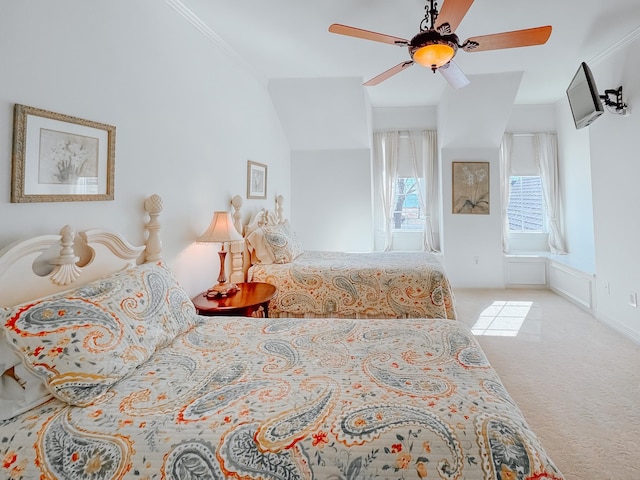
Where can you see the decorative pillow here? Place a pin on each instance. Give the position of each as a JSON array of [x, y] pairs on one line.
[[260, 251], [83, 341], [283, 242]]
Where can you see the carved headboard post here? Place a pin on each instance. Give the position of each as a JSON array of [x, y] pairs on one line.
[[237, 249], [153, 251], [236, 203], [279, 208]]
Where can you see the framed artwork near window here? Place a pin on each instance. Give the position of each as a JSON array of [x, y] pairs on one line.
[[59, 158], [256, 180], [470, 188]]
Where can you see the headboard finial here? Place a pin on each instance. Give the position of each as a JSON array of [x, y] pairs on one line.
[[153, 204], [236, 201], [153, 251], [65, 270]]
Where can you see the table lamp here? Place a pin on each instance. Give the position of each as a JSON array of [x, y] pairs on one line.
[[221, 230]]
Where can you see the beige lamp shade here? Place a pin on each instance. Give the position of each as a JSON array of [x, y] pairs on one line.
[[220, 230]]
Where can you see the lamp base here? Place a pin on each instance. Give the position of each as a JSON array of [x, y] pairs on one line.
[[221, 290]]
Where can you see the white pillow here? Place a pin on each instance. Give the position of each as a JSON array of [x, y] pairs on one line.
[[21, 390], [260, 251]]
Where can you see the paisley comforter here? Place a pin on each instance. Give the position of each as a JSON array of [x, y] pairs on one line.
[[290, 399], [358, 285]]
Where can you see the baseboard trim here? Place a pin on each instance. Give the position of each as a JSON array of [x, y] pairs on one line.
[[574, 285], [619, 327], [526, 271]]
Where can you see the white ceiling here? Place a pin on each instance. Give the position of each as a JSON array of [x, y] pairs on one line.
[[289, 39]]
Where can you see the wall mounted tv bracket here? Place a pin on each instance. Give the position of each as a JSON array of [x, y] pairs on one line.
[[613, 100]]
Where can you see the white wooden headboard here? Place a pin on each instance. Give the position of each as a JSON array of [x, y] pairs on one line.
[[240, 258], [48, 264]]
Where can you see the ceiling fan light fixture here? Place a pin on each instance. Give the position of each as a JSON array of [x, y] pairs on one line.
[[434, 55], [431, 49]]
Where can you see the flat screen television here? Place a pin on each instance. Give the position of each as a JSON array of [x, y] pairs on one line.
[[583, 96]]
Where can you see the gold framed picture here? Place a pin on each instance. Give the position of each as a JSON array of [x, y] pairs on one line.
[[60, 158], [470, 188]]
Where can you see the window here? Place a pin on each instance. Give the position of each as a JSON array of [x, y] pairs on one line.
[[408, 214], [526, 205]]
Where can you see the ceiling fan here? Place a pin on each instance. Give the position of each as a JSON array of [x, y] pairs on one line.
[[436, 44]]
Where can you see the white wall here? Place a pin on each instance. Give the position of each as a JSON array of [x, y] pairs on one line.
[[331, 199], [575, 181], [327, 122], [471, 123], [532, 118], [477, 115], [405, 118], [187, 118], [615, 170], [322, 113], [472, 244]]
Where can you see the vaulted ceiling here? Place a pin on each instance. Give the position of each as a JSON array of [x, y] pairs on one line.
[[279, 39]]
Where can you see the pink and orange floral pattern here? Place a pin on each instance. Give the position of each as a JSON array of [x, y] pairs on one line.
[[358, 285], [288, 399]]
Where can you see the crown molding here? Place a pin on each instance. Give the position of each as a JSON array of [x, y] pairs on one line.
[[619, 45], [205, 30]]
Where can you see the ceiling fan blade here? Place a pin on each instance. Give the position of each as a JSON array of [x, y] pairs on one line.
[[389, 73], [452, 74], [367, 35], [452, 12], [517, 38]]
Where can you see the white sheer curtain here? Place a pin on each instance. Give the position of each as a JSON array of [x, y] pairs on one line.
[[425, 166], [506, 149], [385, 163], [546, 147]]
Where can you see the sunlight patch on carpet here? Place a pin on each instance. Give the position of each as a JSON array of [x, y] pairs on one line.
[[502, 318]]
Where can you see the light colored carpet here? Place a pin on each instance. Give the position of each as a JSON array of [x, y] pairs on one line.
[[576, 380]]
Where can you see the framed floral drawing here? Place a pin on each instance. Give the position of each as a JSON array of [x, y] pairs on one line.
[[471, 187], [256, 180], [59, 158]]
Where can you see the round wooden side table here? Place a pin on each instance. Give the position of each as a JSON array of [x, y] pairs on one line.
[[251, 300]]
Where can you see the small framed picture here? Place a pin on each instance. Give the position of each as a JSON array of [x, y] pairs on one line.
[[256, 180], [470, 187], [59, 158]]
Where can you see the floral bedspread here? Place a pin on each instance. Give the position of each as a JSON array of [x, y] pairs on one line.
[[358, 285], [290, 399]]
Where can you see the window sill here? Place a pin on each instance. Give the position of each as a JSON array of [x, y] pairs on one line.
[[527, 243]]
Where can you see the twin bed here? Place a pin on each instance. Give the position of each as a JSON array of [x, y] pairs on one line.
[[340, 284], [109, 373]]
